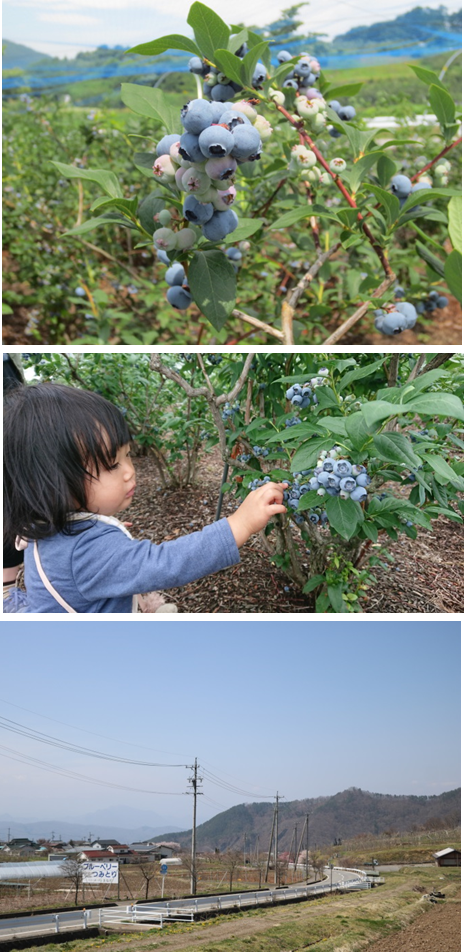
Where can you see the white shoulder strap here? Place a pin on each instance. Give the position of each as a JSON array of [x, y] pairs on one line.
[[48, 584]]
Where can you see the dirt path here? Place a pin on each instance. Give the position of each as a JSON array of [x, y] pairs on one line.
[[438, 931]]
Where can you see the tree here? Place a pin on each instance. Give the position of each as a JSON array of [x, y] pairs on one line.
[[72, 870], [148, 871], [231, 859]]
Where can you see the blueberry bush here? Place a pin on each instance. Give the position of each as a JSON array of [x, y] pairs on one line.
[[371, 446], [268, 174]]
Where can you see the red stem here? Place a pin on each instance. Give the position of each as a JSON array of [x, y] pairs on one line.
[[320, 158], [437, 157]]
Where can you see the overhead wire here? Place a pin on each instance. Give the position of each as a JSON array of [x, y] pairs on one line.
[[16, 728]]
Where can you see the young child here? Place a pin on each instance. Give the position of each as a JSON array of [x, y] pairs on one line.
[[67, 471]]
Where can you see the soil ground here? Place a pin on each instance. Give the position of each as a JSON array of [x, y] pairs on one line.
[[425, 577]]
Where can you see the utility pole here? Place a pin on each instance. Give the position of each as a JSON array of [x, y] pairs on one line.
[[194, 781], [275, 826], [244, 848]]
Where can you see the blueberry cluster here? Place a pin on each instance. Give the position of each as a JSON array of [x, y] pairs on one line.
[[216, 85], [214, 359], [395, 318], [337, 476], [260, 451], [301, 395], [441, 173], [433, 301], [402, 187], [178, 293], [292, 421], [259, 482], [345, 113], [228, 411], [244, 457], [303, 75]]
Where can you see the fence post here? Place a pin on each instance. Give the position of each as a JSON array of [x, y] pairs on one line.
[[57, 924], [85, 918]]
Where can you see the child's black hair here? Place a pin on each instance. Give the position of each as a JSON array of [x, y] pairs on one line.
[[55, 439]]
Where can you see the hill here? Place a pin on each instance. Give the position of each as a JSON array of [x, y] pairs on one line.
[[342, 816], [422, 25], [17, 56]]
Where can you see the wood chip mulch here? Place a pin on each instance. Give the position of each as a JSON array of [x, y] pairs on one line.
[[427, 575]]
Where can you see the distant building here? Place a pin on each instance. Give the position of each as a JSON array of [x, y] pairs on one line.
[[150, 852], [104, 844], [448, 857]]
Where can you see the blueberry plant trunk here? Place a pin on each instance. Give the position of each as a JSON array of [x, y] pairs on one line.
[[344, 437]]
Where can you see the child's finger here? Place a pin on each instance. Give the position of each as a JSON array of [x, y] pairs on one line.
[[275, 508]]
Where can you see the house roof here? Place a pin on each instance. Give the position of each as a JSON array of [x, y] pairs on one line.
[[446, 852], [97, 854]]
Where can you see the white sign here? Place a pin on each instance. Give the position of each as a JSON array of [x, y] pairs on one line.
[[100, 873]]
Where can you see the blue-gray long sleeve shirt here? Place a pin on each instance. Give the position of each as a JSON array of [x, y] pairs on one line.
[[100, 569]]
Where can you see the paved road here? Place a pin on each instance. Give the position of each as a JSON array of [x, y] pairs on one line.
[[49, 923]]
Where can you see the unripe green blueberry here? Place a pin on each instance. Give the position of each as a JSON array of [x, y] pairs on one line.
[[277, 96], [338, 165], [441, 169], [164, 217], [319, 121], [165, 239], [163, 168], [193, 182], [246, 108], [325, 179], [264, 127], [302, 157], [310, 175], [186, 238]]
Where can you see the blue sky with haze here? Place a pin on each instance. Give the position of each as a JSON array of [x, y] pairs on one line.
[[65, 27], [307, 708]]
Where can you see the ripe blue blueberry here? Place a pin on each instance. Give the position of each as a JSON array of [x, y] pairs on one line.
[[196, 116], [162, 256], [342, 467], [347, 484], [409, 312], [391, 324], [189, 148], [165, 144], [284, 56], [347, 112], [196, 211], [175, 274], [79, 292], [401, 186], [220, 224], [246, 142], [179, 298], [215, 141], [363, 480], [442, 301], [259, 75], [220, 93], [359, 494]]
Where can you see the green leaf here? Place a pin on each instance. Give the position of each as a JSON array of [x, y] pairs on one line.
[[335, 597], [359, 372], [453, 273], [154, 103], [377, 410], [344, 515], [455, 223], [148, 208], [175, 41], [229, 64], [442, 104], [442, 468], [390, 203], [303, 431], [427, 195], [126, 205], [93, 223], [236, 40], [245, 228], [370, 531], [426, 75], [308, 454], [434, 263], [212, 283], [211, 33], [386, 169], [249, 61], [106, 180], [309, 500], [297, 214], [437, 404], [313, 583], [357, 430], [281, 73], [395, 448], [359, 169], [333, 424], [348, 89]]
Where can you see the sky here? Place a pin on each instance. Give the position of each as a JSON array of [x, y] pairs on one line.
[[305, 708], [66, 27]]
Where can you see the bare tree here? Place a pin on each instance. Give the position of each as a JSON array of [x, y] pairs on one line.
[[148, 871], [232, 859], [317, 865], [72, 870]]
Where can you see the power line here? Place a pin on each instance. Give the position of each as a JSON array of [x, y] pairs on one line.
[[82, 730], [16, 728], [71, 774]]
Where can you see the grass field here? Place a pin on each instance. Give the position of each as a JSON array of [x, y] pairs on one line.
[[338, 923]]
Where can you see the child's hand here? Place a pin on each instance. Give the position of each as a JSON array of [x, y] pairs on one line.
[[256, 510]]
